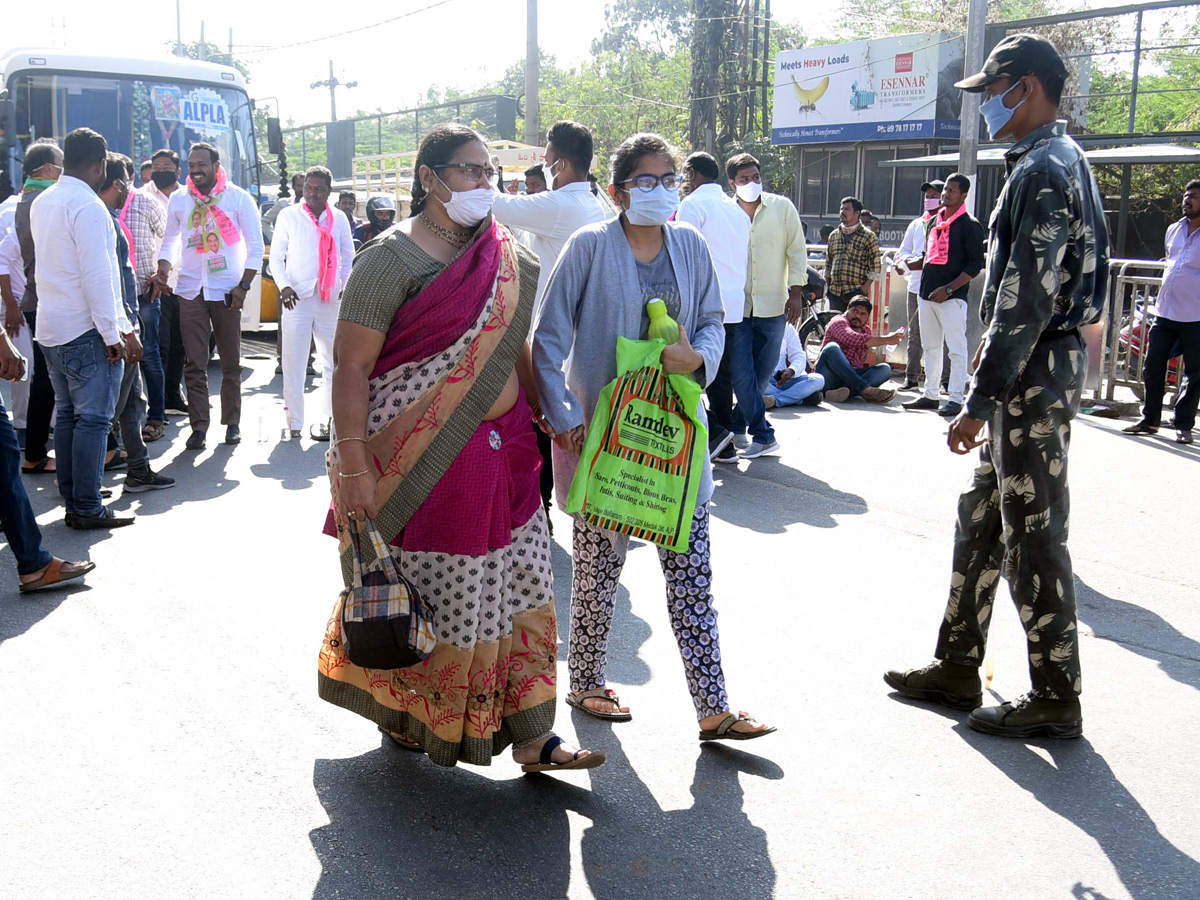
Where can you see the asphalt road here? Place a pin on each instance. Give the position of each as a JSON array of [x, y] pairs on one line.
[[161, 737]]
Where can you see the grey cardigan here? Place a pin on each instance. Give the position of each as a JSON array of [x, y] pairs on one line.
[[593, 297]]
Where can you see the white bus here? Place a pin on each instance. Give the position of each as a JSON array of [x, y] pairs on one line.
[[139, 105]]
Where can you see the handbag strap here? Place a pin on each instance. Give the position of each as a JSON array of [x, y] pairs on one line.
[[386, 562]]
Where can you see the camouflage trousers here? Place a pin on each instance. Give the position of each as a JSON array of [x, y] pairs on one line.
[[1013, 519]]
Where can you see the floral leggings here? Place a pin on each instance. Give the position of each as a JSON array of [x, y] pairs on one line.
[[599, 557]]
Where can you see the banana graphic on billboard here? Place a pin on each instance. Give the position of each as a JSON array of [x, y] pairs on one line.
[[808, 97]]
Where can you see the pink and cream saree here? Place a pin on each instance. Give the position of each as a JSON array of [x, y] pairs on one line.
[[459, 503]]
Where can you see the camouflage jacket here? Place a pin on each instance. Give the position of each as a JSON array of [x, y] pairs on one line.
[[1047, 259]]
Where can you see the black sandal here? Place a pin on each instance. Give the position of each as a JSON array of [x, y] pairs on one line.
[[545, 761], [39, 467], [1142, 427]]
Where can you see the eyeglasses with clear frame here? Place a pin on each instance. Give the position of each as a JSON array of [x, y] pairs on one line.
[[473, 172], [671, 181]]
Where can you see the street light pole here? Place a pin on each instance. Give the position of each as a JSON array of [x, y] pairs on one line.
[[532, 75], [333, 84], [968, 129]]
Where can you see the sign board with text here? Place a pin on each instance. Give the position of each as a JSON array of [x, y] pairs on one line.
[[888, 89]]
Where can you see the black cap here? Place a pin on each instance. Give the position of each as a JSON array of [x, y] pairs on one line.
[[1013, 57], [937, 184]]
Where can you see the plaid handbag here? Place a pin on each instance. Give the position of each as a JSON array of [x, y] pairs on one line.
[[386, 624]]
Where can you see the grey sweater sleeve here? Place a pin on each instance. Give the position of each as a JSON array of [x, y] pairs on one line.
[[555, 333], [708, 338]]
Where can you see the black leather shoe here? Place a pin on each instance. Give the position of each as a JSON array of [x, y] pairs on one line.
[[949, 409], [921, 403], [233, 435], [1030, 716], [107, 520], [195, 441], [910, 385], [945, 683]]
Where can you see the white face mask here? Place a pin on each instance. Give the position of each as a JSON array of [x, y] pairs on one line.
[[651, 207], [550, 175], [850, 229], [749, 192], [469, 208]]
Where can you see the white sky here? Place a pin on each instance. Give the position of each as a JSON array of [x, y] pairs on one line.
[[461, 43]]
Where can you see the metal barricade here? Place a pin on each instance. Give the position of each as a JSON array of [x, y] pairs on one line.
[[1130, 312]]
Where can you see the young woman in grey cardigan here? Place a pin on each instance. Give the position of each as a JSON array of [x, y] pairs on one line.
[[597, 292]]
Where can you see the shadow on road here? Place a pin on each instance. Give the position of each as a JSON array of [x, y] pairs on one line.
[[402, 827], [1142, 632], [1078, 784], [739, 499], [290, 477], [1164, 440]]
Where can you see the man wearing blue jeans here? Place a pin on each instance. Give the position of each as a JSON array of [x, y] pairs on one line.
[[776, 273], [36, 568], [842, 362], [82, 326]]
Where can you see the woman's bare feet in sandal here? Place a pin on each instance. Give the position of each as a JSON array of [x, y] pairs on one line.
[[563, 753], [744, 726], [604, 705], [402, 740]]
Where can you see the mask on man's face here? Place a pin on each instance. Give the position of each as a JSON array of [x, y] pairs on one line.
[[163, 180]]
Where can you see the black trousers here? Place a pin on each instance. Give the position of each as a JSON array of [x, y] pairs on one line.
[[547, 475], [170, 344], [840, 302], [41, 401], [1163, 338]]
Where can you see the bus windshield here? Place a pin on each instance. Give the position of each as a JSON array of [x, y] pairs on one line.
[[138, 116]]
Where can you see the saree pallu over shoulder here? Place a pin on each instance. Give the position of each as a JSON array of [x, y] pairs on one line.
[[459, 503], [445, 360]]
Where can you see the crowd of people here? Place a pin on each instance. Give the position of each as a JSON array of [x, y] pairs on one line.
[[464, 350]]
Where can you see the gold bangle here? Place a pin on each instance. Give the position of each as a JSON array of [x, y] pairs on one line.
[[341, 441], [353, 474]]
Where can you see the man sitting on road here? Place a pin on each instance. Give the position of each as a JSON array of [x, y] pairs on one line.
[[792, 382], [843, 359]]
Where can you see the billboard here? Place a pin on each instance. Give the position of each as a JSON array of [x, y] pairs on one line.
[[880, 90]]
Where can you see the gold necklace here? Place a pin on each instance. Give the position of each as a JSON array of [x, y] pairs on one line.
[[451, 237]]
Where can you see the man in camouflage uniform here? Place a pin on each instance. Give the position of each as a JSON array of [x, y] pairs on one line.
[[1047, 276]]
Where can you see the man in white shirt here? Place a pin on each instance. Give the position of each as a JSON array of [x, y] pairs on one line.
[[792, 382], [914, 245], [726, 230], [213, 233], [81, 326], [164, 308], [12, 288], [553, 215], [311, 255], [550, 217]]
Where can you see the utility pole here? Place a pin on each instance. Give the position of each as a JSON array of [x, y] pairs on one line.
[[1127, 169], [333, 84], [968, 132], [178, 31], [532, 75], [203, 54]]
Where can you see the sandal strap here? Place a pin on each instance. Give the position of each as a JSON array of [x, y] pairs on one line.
[[598, 694], [732, 719], [547, 755]]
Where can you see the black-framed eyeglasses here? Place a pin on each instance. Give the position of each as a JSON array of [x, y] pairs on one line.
[[473, 172], [647, 183]]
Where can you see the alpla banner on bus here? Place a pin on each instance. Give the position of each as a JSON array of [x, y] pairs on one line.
[[881, 90]]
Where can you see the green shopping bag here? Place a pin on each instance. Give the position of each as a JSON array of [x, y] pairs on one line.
[[645, 451]]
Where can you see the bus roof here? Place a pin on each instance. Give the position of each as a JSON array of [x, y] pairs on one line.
[[170, 68]]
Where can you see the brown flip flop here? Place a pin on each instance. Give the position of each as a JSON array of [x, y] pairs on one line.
[[58, 573], [725, 732], [575, 701]]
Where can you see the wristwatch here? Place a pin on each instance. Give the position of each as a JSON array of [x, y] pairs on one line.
[[244, 285]]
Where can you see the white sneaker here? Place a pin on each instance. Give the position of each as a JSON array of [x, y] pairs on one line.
[[755, 450]]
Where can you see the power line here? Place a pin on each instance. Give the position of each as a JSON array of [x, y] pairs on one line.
[[339, 34]]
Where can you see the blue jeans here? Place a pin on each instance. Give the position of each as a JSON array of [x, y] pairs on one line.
[[16, 515], [85, 393], [795, 389], [833, 366], [150, 313], [755, 351]]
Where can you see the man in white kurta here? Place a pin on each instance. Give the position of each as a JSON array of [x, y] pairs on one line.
[[311, 273]]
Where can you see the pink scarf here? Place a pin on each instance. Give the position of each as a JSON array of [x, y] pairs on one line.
[[205, 209], [937, 250], [125, 228], [326, 252]]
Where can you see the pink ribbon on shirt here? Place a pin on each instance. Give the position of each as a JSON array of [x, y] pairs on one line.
[[937, 251], [326, 253], [125, 228]]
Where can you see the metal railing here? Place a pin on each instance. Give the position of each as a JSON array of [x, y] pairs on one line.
[[1130, 312]]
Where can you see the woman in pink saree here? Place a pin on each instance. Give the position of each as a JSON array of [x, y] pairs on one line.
[[432, 398]]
